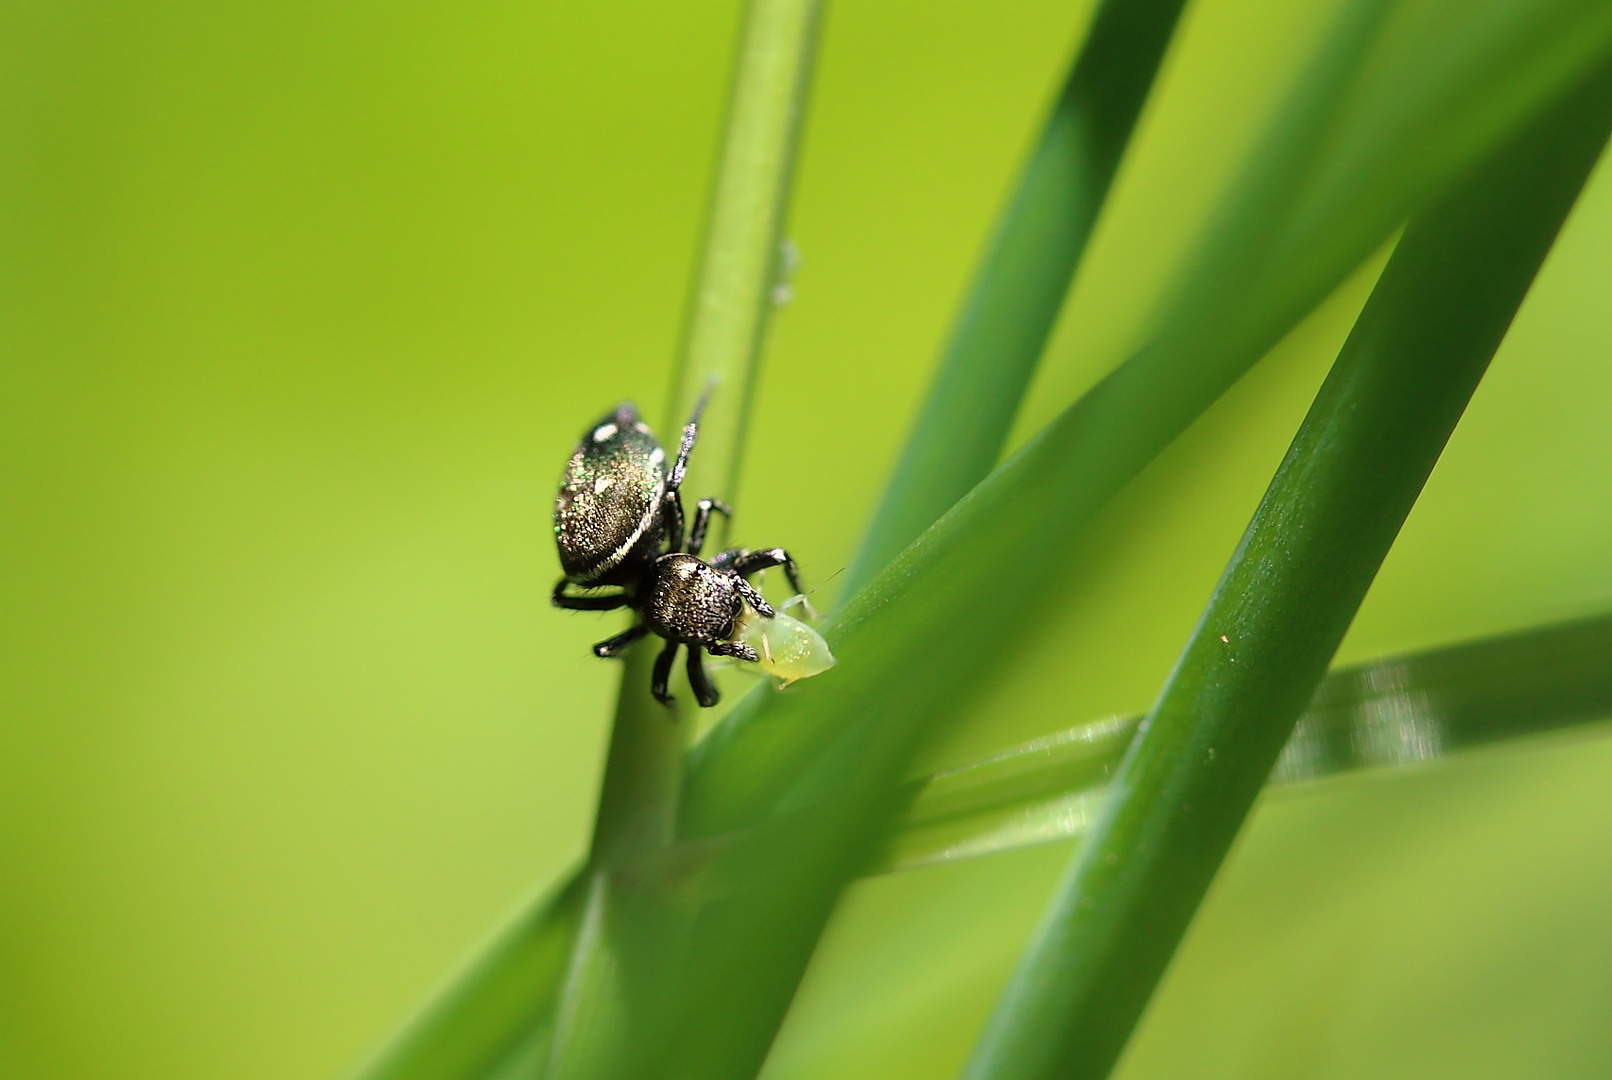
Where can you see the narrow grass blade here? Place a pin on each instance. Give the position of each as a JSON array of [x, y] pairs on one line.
[[608, 1021], [741, 256], [1399, 710], [1315, 543], [1021, 281], [728, 309]]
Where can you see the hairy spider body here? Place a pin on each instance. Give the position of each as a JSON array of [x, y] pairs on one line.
[[618, 522]]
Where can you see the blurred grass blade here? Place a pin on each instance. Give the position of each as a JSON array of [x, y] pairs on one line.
[[1398, 710], [1360, 459], [1021, 281], [506, 992]]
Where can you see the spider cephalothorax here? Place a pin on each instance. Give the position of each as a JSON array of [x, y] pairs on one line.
[[618, 521]]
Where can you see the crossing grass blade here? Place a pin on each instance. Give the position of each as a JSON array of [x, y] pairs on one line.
[[1020, 285], [1394, 711], [1360, 459]]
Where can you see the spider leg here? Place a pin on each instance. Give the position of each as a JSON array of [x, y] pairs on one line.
[[704, 692], [753, 596], [702, 519], [586, 603], [672, 514], [750, 562], [691, 431], [663, 673], [617, 645], [673, 498], [747, 563], [733, 648]]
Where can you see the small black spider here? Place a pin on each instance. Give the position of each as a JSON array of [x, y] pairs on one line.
[[618, 520]]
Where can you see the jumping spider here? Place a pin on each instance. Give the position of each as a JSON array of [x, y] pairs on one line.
[[618, 520]]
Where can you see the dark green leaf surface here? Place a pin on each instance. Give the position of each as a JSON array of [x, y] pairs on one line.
[[1021, 282], [1354, 471], [1399, 710]]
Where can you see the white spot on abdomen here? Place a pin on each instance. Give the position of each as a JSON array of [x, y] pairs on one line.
[[603, 482], [603, 432], [657, 455]]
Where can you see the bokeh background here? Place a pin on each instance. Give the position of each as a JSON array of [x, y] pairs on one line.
[[301, 308]]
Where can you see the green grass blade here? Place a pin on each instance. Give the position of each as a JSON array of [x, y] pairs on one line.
[[1315, 543], [1398, 710], [498, 1018], [606, 1023], [508, 991], [1021, 281], [729, 304], [740, 256]]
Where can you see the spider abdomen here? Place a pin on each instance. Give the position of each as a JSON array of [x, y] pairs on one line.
[[607, 513]]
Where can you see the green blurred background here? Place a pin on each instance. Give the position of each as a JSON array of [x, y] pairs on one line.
[[301, 308]]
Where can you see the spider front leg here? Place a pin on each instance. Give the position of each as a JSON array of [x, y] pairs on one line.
[[753, 597], [753, 562], [702, 518], [744, 563], [663, 673], [737, 649], [673, 499], [704, 692], [672, 515], [562, 599], [612, 647]]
